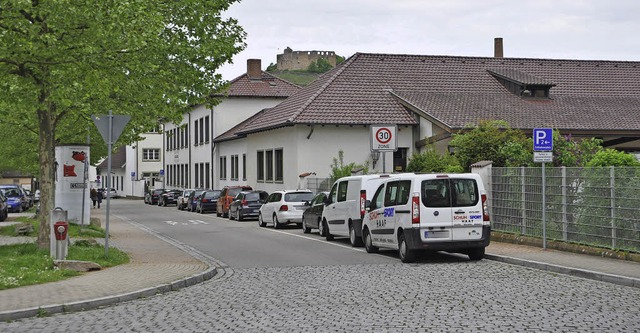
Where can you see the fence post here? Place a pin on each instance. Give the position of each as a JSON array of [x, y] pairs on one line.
[[564, 203], [524, 201], [612, 183]]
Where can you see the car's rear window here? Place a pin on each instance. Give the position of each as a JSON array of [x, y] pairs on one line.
[[212, 195], [450, 192], [298, 196], [255, 196]]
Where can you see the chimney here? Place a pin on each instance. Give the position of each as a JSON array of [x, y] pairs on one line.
[[497, 48], [254, 69]]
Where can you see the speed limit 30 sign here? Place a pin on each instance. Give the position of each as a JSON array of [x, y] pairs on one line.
[[384, 138]]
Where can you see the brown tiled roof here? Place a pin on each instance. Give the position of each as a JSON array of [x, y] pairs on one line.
[[118, 160], [460, 91], [267, 86]]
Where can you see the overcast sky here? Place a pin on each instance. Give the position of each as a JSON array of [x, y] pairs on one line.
[[552, 29]]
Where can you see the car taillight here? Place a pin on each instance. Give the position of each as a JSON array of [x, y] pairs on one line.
[[245, 202], [284, 208], [415, 209], [485, 215], [363, 199], [205, 200]]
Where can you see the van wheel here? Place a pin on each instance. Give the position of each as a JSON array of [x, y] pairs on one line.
[[305, 229], [239, 215], [327, 233], [368, 242], [321, 230], [353, 238], [406, 255], [260, 221], [276, 224], [476, 254]]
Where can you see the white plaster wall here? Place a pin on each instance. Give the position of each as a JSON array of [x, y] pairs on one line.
[[233, 111], [229, 148]]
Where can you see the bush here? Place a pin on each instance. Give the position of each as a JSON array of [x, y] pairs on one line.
[[431, 161], [339, 169]]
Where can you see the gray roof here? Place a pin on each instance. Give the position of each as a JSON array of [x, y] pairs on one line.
[[460, 91]]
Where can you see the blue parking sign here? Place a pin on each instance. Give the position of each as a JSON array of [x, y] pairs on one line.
[[542, 139]]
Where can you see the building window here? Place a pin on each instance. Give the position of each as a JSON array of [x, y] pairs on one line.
[[234, 167], [195, 132], [196, 174], [207, 176], [268, 165], [202, 175], [201, 131], [150, 154], [206, 129], [244, 166], [223, 167], [279, 165], [260, 159]]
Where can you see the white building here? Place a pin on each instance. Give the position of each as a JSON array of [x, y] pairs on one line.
[[190, 155]]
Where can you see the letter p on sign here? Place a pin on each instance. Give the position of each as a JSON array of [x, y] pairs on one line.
[[542, 139]]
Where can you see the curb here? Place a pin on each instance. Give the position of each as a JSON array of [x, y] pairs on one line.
[[577, 272]]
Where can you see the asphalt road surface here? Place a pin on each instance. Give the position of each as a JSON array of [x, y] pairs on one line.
[[286, 281]]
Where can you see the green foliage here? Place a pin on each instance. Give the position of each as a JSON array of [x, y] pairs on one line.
[[431, 161], [517, 154], [339, 169], [570, 153], [339, 59], [612, 157], [319, 66], [484, 142], [272, 67]]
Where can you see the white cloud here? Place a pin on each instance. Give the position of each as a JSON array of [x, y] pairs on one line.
[[567, 29]]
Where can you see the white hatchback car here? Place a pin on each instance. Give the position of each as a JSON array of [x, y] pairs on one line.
[[284, 207]]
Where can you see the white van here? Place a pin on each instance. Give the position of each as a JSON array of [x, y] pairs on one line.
[[345, 206], [445, 212]]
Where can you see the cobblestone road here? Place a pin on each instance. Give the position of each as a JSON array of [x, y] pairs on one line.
[[432, 296]]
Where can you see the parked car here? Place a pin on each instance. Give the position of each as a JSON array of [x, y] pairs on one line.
[[154, 196], [207, 201], [183, 199], [193, 200], [247, 204], [312, 216], [36, 196], [226, 197], [169, 197], [4, 207], [284, 207], [14, 197], [434, 212], [29, 198], [112, 193]]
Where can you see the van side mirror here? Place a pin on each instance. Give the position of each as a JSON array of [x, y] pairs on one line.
[[307, 203], [367, 205], [327, 201]]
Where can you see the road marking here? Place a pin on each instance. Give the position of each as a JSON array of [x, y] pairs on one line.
[[171, 222], [198, 222], [317, 240]]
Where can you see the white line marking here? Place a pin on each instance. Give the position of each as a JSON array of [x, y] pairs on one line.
[[317, 240], [171, 222]]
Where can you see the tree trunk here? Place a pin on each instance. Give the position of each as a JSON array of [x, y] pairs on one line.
[[48, 166]]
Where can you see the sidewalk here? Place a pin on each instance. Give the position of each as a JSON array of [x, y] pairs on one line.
[[160, 264], [156, 266]]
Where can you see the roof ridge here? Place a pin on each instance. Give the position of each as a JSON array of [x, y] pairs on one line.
[[281, 79], [324, 86]]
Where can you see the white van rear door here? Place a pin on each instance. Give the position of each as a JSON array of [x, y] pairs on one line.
[[436, 216], [466, 205]]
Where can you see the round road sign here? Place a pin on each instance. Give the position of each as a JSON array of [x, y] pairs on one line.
[[383, 135]]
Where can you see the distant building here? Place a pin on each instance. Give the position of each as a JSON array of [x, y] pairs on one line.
[[300, 60]]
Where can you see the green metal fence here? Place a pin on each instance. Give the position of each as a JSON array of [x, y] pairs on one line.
[[593, 206]]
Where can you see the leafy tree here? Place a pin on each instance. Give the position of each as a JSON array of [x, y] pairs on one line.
[[339, 169], [484, 142], [272, 67], [319, 66], [612, 157], [62, 61], [339, 59], [431, 161], [570, 153]]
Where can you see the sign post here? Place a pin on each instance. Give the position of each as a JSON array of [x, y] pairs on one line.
[[543, 153], [110, 127], [383, 139]]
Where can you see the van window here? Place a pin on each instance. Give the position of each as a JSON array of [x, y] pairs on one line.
[[465, 192], [377, 200], [334, 191], [342, 191], [435, 193], [397, 193]]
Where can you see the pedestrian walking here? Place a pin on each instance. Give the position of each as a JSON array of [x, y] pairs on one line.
[[99, 198], [93, 194]]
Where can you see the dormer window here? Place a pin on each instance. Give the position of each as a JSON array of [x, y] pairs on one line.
[[522, 84]]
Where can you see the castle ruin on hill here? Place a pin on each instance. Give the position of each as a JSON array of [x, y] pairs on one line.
[[300, 60]]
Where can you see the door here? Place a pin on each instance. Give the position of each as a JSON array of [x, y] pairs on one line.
[[397, 210], [335, 212], [376, 220], [436, 220], [467, 209]]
